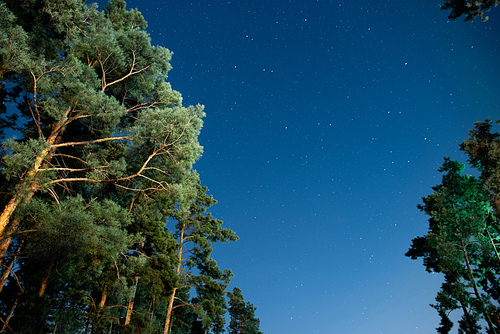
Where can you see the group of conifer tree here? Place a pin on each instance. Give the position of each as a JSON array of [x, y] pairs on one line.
[[104, 225]]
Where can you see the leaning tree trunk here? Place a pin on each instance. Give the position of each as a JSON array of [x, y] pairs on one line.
[[476, 291], [169, 312], [6, 321], [8, 269], [29, 185], [45, 280]]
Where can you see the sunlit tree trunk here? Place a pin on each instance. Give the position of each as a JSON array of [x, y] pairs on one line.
[[104, 297], [7, 238], [6, 321], [29, 182], [45, 280], [8, 269], [130, 307], [172, 296], [169, 312]]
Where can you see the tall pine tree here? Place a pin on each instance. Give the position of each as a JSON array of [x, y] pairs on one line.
[[464, 236]]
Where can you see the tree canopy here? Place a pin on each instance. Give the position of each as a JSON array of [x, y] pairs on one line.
[[104, 224], [464, 236], [243, 320], [469, 8]]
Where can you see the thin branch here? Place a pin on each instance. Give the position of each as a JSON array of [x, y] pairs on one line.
[[6, 322], [71, 169], [116, 306], [110, 317], [134, 189], [13, 234], [136, 251], [11, 255], [183, 304], [161, 184], [187, 251], [54, 195], [494, 247], [70, 156], [88, 205], [185, 273], [90, 141], [93, 302], [137, 174], [78, 115], [117, 270], [105, 85], [192, 286], [37, 121], [157, 169], [13, 273]]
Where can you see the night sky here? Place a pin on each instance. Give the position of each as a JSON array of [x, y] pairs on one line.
[[326, 124]]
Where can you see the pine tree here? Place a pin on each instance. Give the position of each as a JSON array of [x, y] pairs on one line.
[[243, 320], [196, 231], [463, 238]]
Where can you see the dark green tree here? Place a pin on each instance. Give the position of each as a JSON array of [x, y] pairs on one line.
[[483, 149], [469, 8], [243, 320], [463, 238], [196, 231]]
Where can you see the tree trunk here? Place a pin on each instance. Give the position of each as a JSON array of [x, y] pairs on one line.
[[464, 307], [29, 181], [476, 291], [7, 239], [172, 297], [169, 312], [87, 325], [104, 296], [151, 308], [130, 306], [9, 268], [43, 286], [19, 195], [6, 322]]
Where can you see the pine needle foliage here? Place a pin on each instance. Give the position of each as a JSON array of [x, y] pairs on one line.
[[464, 236], [104, 224], [243, 320], [469, 8]]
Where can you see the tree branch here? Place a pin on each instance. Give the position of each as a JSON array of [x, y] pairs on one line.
[[105, 85], [13, 273], [90, 141]]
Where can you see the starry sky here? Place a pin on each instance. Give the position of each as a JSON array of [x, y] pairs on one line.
[[326, 124]]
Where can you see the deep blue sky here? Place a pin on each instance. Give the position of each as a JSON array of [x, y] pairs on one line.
[[326, 123]]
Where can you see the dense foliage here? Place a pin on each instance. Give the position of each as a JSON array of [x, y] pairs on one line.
[[243, 320], [104, 224], [469, 8], [464, 236]]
